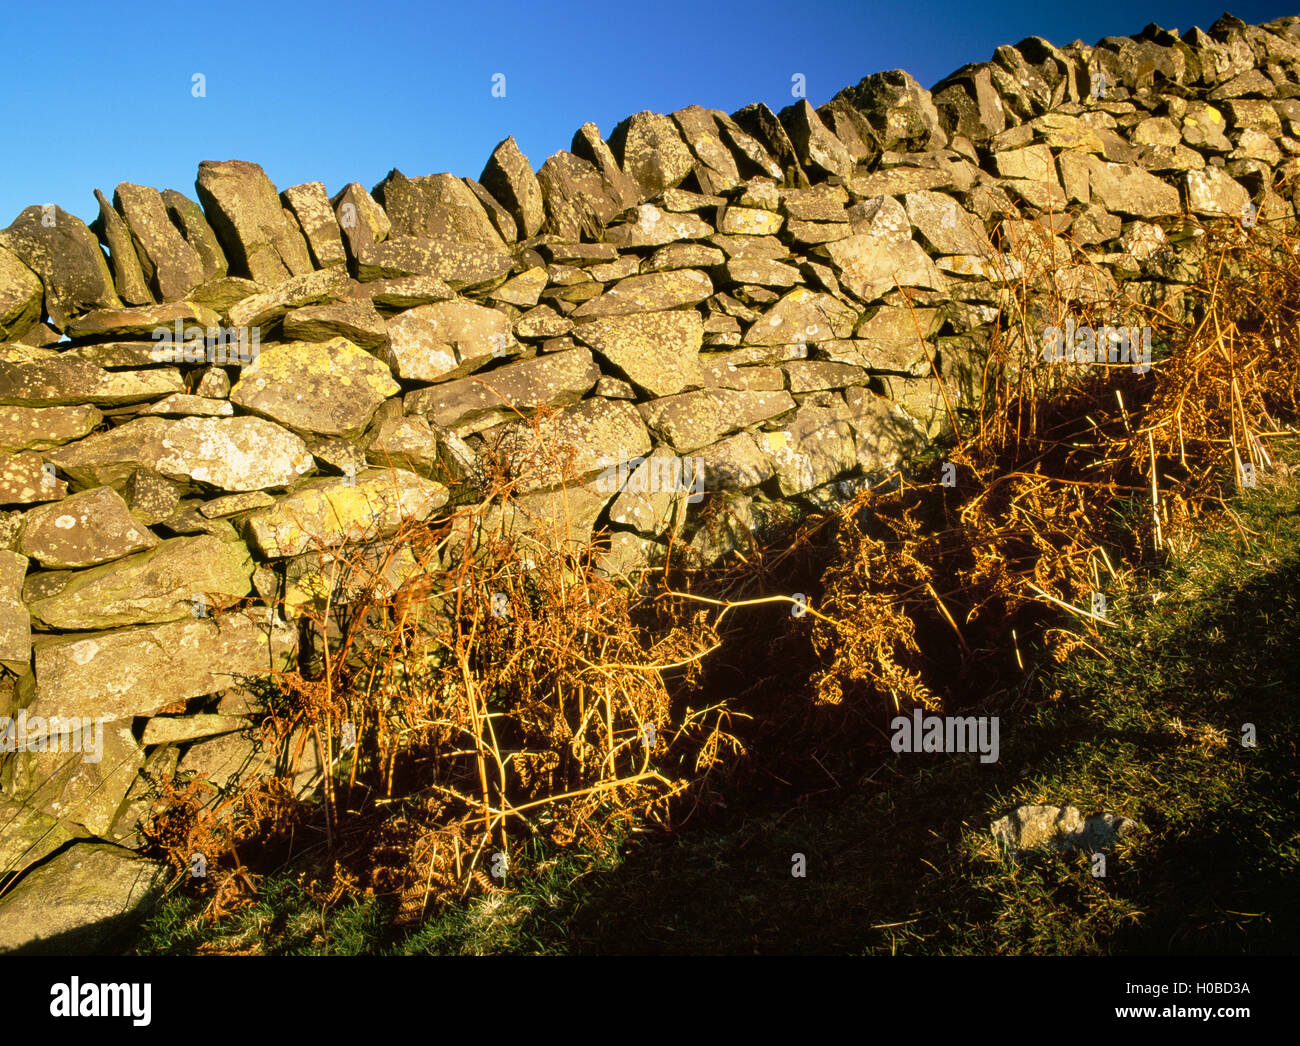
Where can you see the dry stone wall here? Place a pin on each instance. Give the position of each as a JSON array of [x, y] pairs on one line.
[[200, 398]]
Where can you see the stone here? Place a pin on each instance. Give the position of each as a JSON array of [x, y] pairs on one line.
[[509, 177], [162, 584], [15, 622], [361, 220], [1131, 191], [142, 321], [506, 227], [170, 730], [900, 111], [71, 382], [819, 151], [735, 463], [651, 151], [659, 352], [28, 838], [868, 266], [150, 497], [232, 454], [92, 527], [188, 216], [246, 214], [170, 265], [329, 388], [40, 428], [24, 480], [138, 671], [355, 320], [810, 450], [1058, 828], [294, 293], [648, 293], [232, 504], [447, 340], [570, 446], [406, 292], [691, 421], [80, 901], [128, 276], [333, 511], [579, 201], [1213, 193], [84, 789], [438, 207], [884, 434], [406, 443], [969, 105], [621, 189], [762, 127], [814, 375], [320, 226], [802, 315], [652, 227], [460, 263], [524, 290], [473, 404], [682, 256], [945, 226], [651, 490], [700, 129], [67, 258]]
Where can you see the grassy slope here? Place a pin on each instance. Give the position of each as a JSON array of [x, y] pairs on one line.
[[902, 862]]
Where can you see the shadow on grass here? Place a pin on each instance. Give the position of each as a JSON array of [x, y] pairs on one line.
[[1153, 732]]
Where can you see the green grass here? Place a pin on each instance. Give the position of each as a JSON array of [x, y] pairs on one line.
[[901, 860]]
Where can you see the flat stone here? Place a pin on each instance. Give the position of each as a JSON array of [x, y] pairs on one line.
[[459, 263], [355, 319], [683, 256], [159, 585], [447, 340], [88, 528], [659, 352], [814, 375], [170, 730], [735, 463], [523, 290], [1131, 191], [1212, 192], [473, 404], [137, 671], [233, 454], [80, 901], [331, 388], [24, 480], [867, 266], [183, 405], [29, 836], [232, 504], [690, 421], [405, 443], [649, 293], [40, 428], [72, 382], [945, 226], [406, 292], [653, 227], [309, 289], [83, 789], [338, 510]]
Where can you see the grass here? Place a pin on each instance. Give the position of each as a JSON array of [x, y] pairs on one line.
[[899, 859]]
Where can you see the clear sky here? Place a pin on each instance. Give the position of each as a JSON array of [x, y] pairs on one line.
[[94, 93]]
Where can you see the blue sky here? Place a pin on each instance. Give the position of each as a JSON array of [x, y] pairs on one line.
[[92, 94]]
